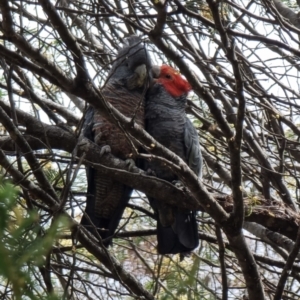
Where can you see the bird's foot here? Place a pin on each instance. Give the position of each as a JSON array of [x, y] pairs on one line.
[[178, 184], [104, 150], [130, 163], [150, 172]]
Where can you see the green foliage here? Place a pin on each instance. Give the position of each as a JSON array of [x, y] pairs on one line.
[[182, 279], [23, 247]]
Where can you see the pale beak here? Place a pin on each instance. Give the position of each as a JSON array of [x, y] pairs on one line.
[[155, 71]]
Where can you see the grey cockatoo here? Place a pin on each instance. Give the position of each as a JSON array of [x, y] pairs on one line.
[[166, 121], [125, 89]]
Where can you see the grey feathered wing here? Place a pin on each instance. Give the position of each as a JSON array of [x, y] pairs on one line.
[[182, 235]]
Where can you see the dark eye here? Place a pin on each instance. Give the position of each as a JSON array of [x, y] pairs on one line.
[[168, 76]]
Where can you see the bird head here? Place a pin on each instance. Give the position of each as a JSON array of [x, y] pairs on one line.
[[132, 63], [171, 79]]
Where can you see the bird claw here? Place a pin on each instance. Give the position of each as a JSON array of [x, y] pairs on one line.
[[104, 150], [178, 184], [150, 172], [130, 163]]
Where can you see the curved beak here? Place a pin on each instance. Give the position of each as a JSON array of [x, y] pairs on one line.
[[155, 71]]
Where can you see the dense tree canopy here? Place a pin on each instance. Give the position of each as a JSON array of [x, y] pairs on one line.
[[242, 60]]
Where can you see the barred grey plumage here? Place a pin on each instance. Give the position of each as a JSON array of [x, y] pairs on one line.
[[125, 89]]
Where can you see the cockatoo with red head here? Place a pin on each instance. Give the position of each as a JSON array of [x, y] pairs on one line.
[[167, 122]]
